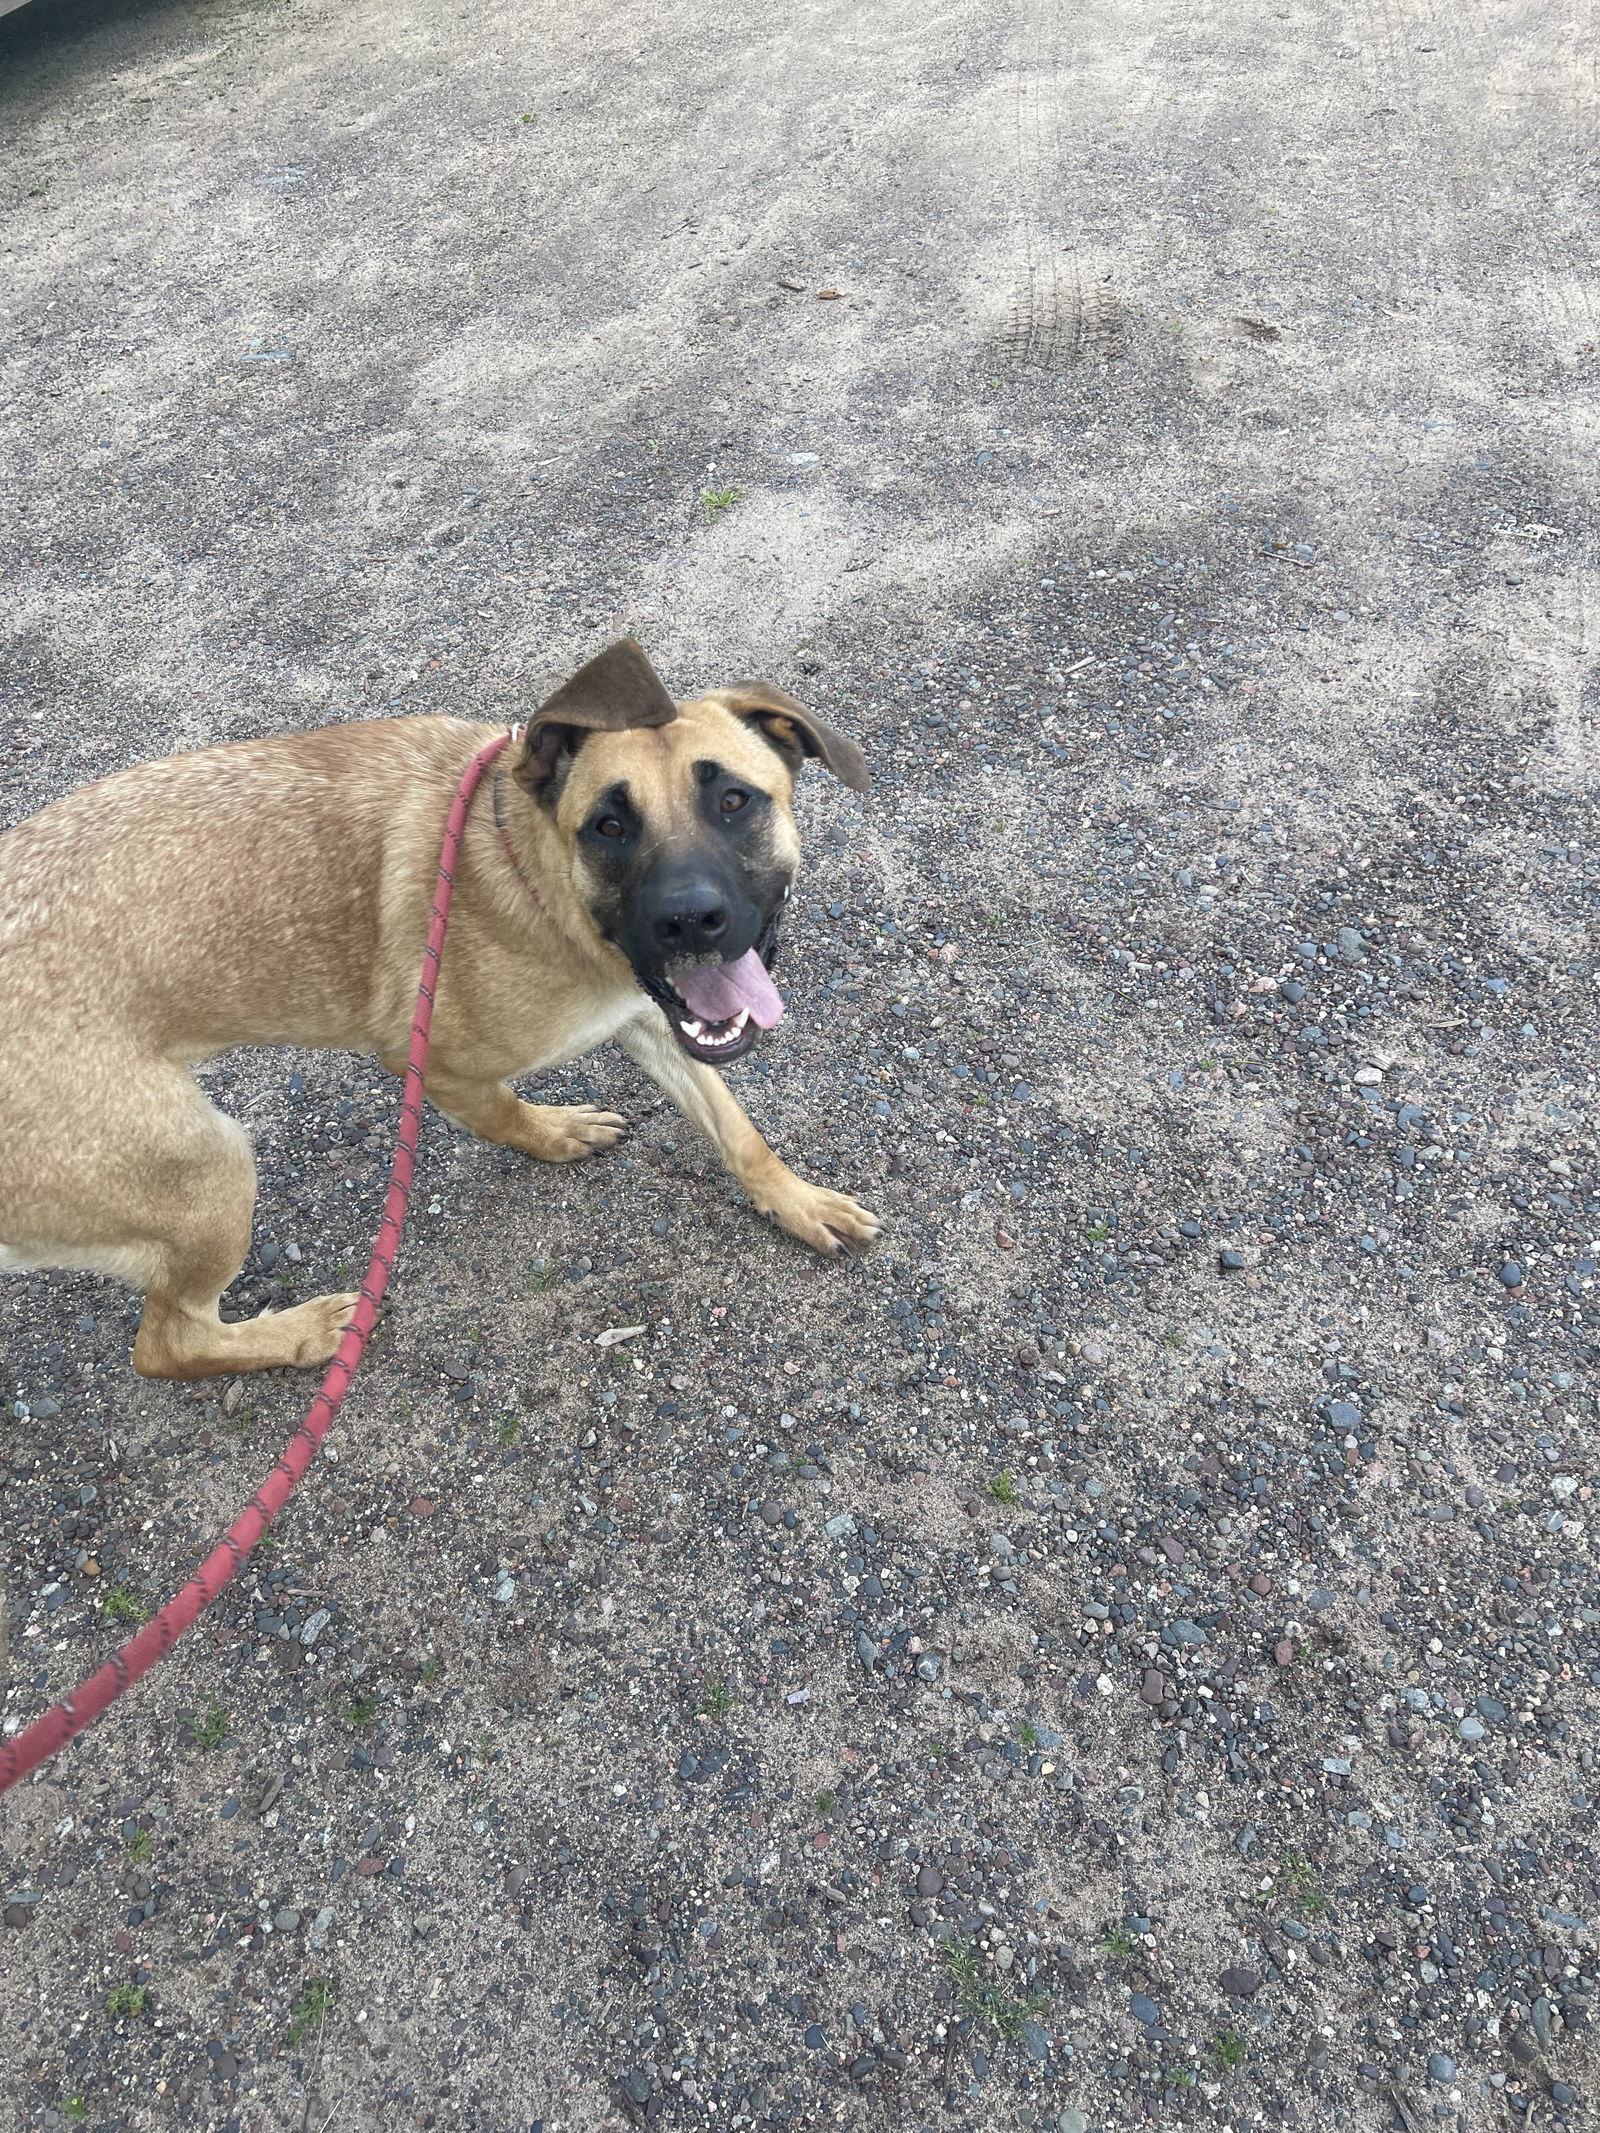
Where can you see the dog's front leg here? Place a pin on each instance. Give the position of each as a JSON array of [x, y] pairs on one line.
[[818, 1217]]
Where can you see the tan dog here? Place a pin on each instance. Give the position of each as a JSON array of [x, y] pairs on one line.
[[621, 877]]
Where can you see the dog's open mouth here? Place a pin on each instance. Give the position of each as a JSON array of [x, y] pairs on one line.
[[717, 1010]]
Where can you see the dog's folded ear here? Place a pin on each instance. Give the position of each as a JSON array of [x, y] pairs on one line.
[[616, 690], [796, 732]]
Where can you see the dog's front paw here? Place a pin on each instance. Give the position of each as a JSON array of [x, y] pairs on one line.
[[827, 1221], [566, 1133]]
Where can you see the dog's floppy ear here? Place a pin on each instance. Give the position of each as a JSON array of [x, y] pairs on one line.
[[616, 690], [796, 732]]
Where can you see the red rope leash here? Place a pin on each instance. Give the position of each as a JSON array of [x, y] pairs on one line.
[[66, 1720]]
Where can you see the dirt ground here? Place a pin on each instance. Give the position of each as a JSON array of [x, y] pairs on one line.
[[1126, 1654]]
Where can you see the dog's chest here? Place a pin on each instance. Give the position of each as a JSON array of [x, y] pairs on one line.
[[585, 1025]]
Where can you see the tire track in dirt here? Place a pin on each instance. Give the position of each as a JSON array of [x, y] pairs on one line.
[[1062, 310]]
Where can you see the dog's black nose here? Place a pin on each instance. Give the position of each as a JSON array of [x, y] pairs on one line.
[[691, 918]]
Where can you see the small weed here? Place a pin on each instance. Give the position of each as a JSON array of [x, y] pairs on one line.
[[1227, 2052], [1172, 1338], [210, 1731], [1119, 1944], [825, 1803], [121, 1606], [975, 1996], [359, 1711], [1003, 1489], [1301, 1886], [1098, 1232], [1181, 2078], [283, 1282], [510, 1430], [139, 1846], [527, 118], [717, 1701], [343, 1270], [713, 502], [937, 1751], [312, 2008], [126, 2000], [74, 2109], [1028, 1734], [1207, 1066], [431, 1668], [541, 1275]]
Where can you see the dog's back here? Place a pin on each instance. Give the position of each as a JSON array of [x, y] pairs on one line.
[[223, 897]]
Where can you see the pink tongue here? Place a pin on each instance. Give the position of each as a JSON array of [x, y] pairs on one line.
[[716, 993]]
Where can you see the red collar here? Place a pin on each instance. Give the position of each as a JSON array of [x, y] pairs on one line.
[[510, 852]]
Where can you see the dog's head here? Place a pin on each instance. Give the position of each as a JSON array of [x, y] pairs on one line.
[[678, 823]]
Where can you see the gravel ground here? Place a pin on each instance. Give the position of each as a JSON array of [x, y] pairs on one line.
[[1125, 1654]]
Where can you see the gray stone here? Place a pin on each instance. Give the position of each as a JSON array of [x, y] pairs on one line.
[[1441, 2067], [930, 1882], [1144, 2009], [1188, 1634], [1072, 2120], [1240, 1982]]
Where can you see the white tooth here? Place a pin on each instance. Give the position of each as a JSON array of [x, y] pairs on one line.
[[740, 1019], [690, 1029]]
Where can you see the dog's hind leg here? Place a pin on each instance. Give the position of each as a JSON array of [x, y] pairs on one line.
[[161, 1194]]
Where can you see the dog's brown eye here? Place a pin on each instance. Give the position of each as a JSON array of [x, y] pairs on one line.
[[609, 826], [733, 801]]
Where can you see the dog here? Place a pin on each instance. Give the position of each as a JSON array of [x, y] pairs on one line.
[[622, 875]]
